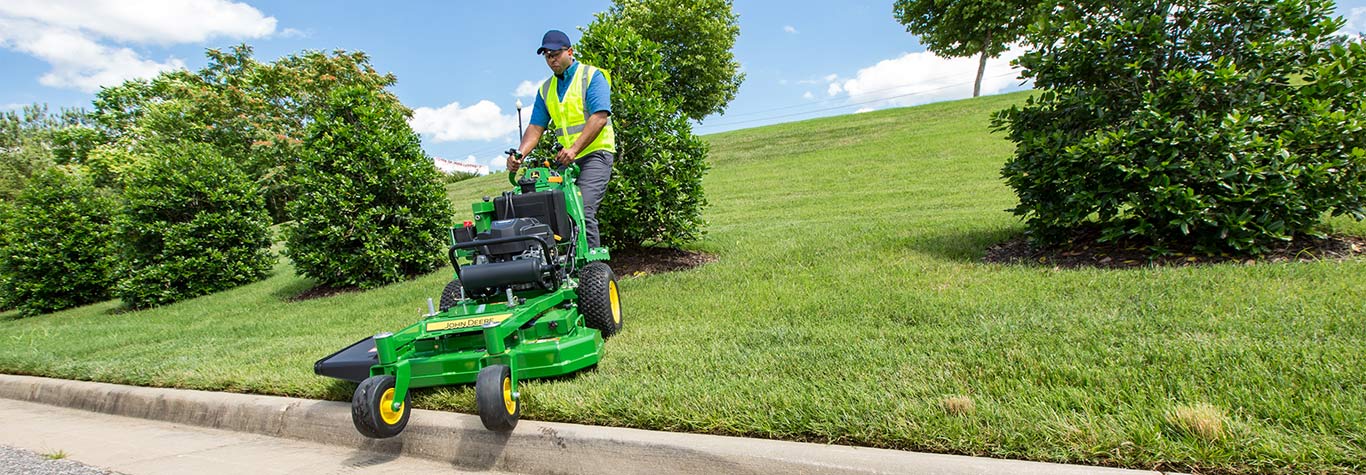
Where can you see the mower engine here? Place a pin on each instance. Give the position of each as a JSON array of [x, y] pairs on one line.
[[523, 257]]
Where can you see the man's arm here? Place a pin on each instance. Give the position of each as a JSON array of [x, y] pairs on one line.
[[529, 140], [540, 118], [591, 128]]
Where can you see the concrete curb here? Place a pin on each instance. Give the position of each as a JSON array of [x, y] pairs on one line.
[[534, 447]]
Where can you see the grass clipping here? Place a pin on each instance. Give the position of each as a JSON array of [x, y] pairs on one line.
[[958, 405], [1201, 420]]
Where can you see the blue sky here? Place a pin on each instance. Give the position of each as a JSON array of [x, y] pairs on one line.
[[461, 65]]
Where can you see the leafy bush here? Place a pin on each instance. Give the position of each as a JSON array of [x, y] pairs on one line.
[[655, 196], [371, 209], [254, 113], [193, 223], [1226, 126], [57, 244], [694, 38]]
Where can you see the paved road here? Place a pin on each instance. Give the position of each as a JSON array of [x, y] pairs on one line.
[[141, 446]]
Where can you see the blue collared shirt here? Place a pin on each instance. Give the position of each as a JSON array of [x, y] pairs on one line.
[[598, 96]]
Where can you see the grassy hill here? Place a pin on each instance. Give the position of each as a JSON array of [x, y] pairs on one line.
[[849, 305]]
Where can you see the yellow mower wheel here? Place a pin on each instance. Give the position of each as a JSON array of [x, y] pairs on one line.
[[598, 298], [372, 408], [499, 408]]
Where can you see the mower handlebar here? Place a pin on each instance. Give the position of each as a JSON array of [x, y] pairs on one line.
[[571, 171]]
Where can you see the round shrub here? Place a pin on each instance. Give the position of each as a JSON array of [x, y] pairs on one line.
[[655, 196], [1220, 126], [371, 209], [57, 243], [193, 223]]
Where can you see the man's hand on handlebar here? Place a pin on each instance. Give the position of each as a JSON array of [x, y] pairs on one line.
[[513, 162], [565, 156]]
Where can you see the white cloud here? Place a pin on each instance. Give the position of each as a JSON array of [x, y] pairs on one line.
[[498, 162], [526, 89], [831, 77], [808, 95], [482, 121], [918, 78], [470, 159], [864, 109], [12, 107], [146, 21], [84, 40], [790, 29], [292, 33], [1356, 21]]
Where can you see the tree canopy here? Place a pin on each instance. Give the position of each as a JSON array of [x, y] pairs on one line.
[[695, 38], [960, 28]]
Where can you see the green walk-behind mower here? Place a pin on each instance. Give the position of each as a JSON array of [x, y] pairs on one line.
[[530, 299]]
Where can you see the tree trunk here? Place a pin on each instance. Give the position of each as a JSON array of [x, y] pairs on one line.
[[981, 67]]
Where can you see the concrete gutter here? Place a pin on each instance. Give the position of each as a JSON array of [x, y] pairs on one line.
[[534, 447]]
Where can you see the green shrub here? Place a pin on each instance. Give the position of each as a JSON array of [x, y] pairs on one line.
[[193, 223], [371, 209], [655, 196], [1222, 126], [57, 244]]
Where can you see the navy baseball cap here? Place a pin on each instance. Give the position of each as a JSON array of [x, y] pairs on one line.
[[553, 40]]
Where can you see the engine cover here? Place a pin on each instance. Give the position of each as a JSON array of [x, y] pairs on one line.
[[513, 227]]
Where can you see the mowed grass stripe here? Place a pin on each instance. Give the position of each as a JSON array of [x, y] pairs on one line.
[[849, 304]]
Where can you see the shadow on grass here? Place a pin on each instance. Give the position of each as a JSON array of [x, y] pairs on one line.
[[960, 245], [339, 390], [119, 310], [10, 315]]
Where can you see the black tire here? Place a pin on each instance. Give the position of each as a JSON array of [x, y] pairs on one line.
[[498, 409], [370, 408], [598, 298], [452, 294]]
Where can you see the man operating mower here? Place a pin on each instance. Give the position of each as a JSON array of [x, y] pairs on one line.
[[577, 99]]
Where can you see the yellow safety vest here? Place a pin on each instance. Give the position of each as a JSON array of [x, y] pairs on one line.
[[571, 114]]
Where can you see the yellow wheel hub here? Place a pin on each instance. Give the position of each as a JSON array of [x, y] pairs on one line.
[[616, 302], [386, 411], [507, 396]]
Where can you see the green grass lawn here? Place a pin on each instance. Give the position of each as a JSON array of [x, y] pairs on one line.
[[849, 305]]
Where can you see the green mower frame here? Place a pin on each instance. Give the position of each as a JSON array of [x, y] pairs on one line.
[[501, 334]]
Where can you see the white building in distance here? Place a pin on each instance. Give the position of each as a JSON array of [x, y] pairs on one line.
[[448, 167]]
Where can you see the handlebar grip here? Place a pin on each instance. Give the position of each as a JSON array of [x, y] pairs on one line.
[[512, 177]]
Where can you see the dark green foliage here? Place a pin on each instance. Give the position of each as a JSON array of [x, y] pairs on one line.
[[57, 244], [960, 28], [193, 223], [1224, 126], [655, 196], [695, 38], [371, 208], [253, 113]]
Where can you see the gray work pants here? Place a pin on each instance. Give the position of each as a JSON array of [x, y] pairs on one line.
[[594, 171]]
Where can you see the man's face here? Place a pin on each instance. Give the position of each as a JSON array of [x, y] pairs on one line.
[[559, 60]]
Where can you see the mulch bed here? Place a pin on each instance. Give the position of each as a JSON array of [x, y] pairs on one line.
[[1084, 251], [637, 261], [321, 291]]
